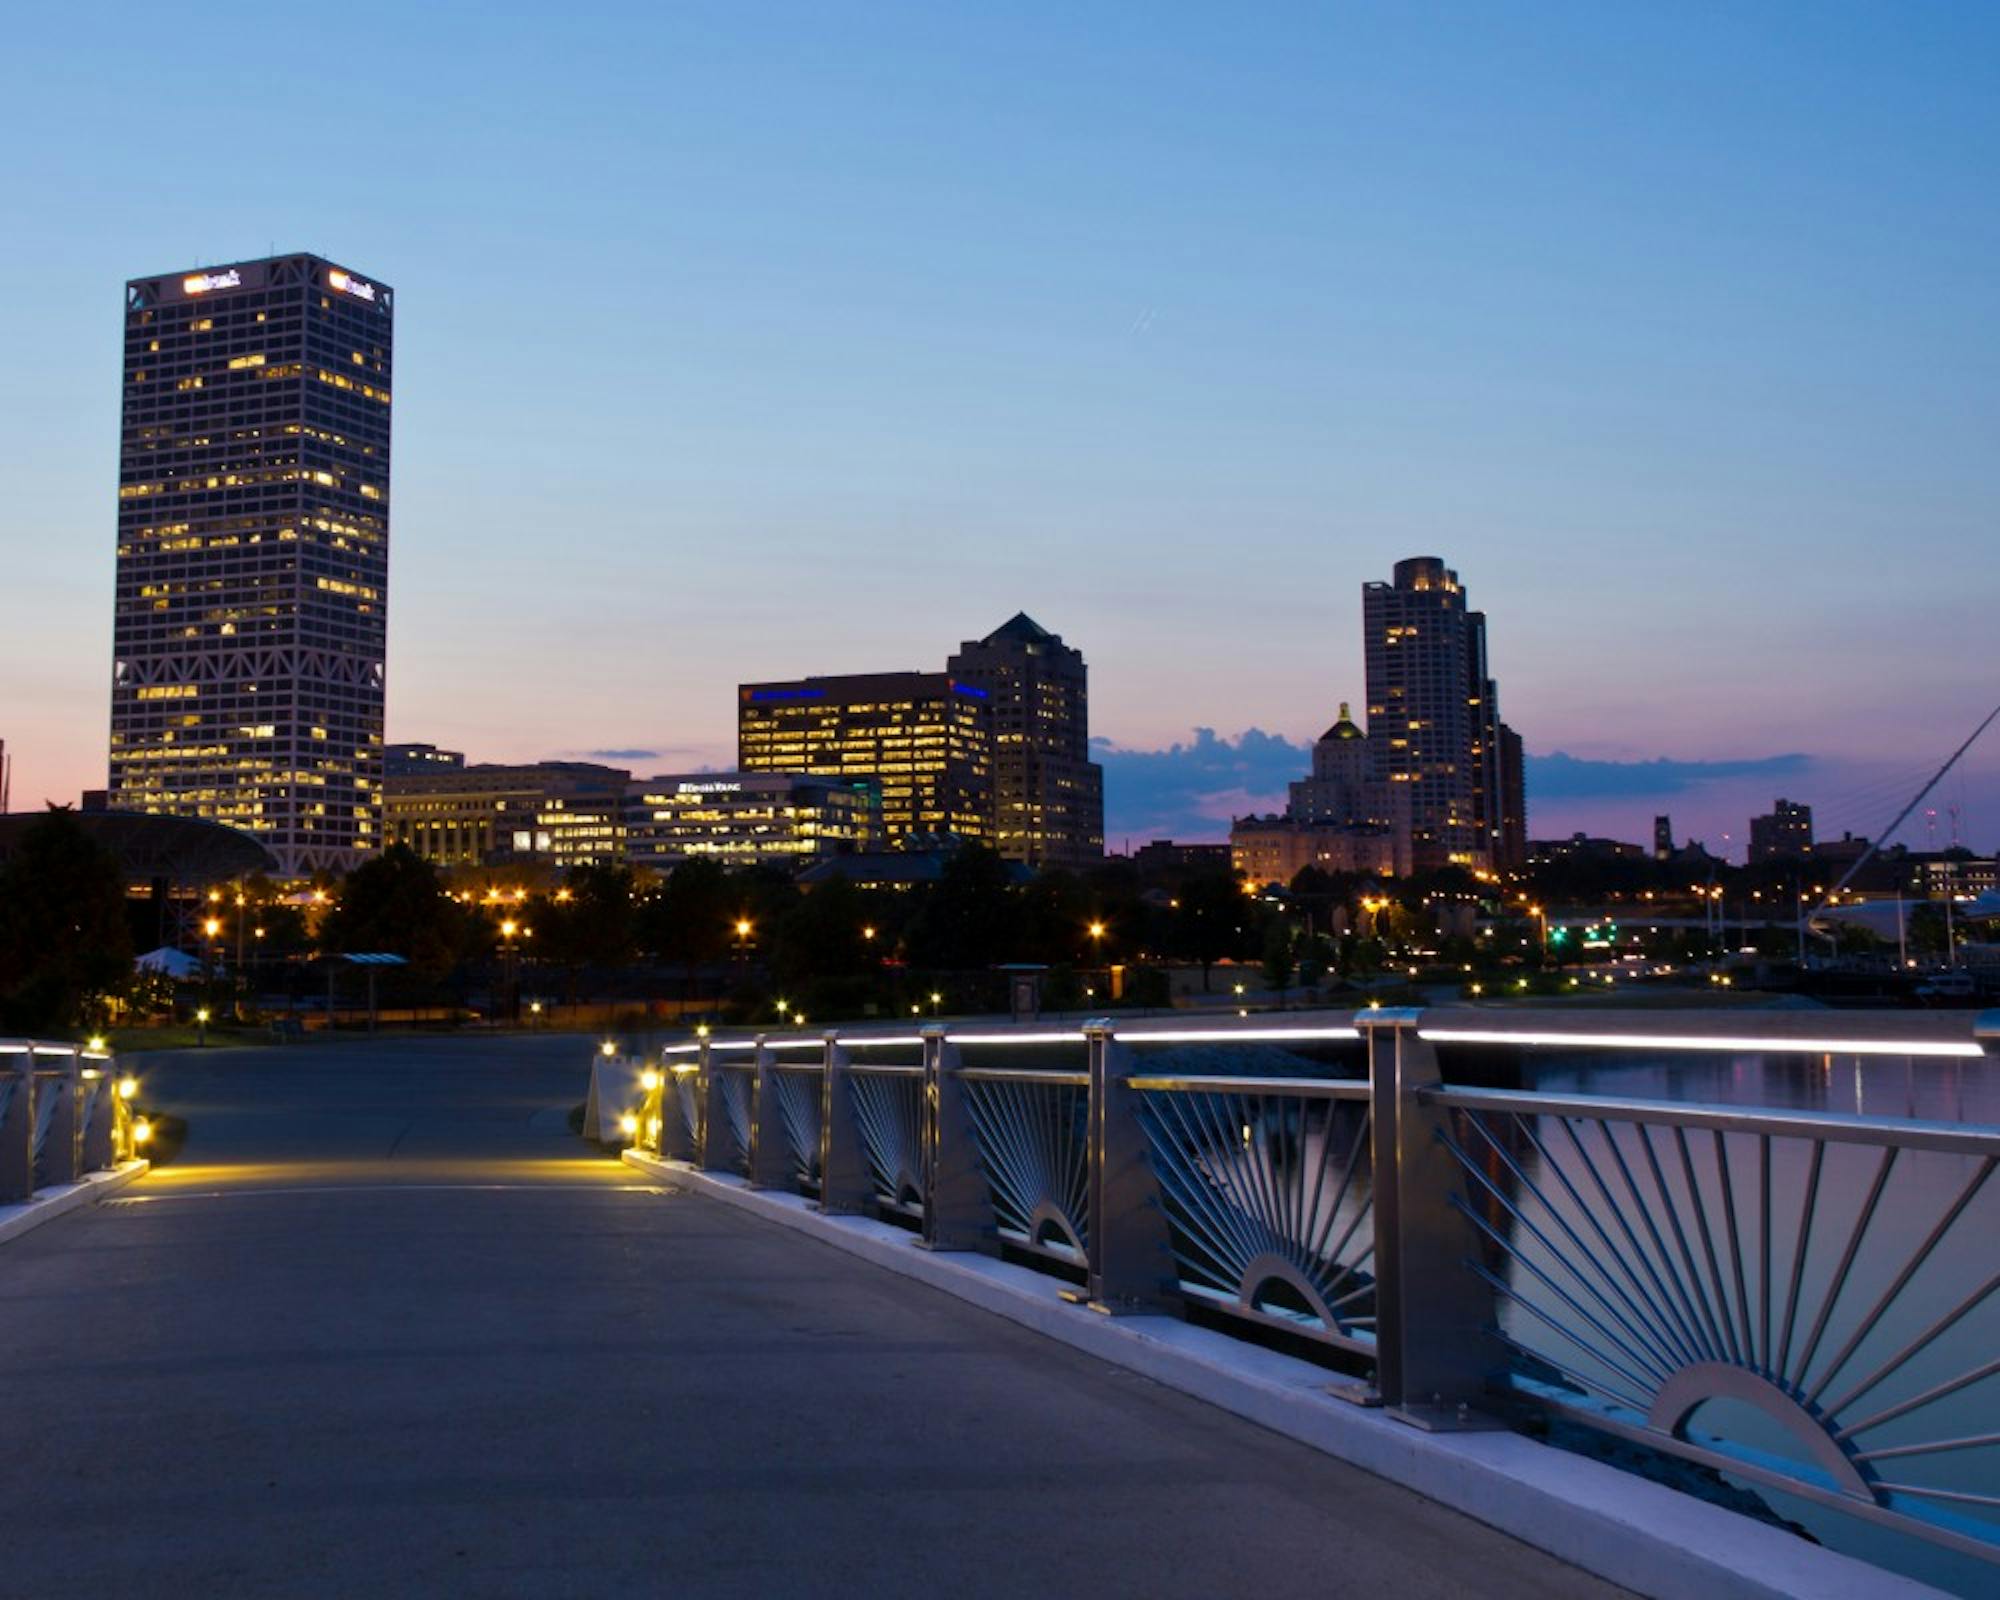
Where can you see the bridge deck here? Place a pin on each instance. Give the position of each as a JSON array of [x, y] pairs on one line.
[[380, 1331]]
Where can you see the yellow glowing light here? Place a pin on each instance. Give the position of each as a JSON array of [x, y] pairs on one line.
[[867, 933], [96, 1042], [649, 1080], [127, 1087], [1097, 930], [201, 1015], [211, 927], [536, 1007], [509, 928], [742, 928], [609, 1047], [936, 998], [701, 1030], [628, 1125], [142, 1131]]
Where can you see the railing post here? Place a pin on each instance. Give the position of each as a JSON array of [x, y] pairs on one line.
[[1433, 1352], [718, 1138], [957, 1209], [17, 1127], [844, 1183], [770, 1156], [59, 1143], [1131, 1265]]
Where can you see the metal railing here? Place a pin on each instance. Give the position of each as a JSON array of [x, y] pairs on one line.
[[63, 1113], [1805, 1300]]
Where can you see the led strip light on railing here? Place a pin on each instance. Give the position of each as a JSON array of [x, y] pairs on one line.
[[1077, 1037], [1234, 1035], [1957, 1049]]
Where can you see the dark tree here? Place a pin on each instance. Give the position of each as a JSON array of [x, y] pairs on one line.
[[967, 921], [1211, 918], [396, 904], [64, 939], [692, 918]]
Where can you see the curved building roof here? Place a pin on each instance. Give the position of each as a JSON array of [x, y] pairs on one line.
[[179, 849]]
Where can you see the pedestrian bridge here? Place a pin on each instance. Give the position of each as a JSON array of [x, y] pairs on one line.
[[383, 1325]]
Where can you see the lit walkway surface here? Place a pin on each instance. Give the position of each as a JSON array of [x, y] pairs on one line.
[[380, 1330]]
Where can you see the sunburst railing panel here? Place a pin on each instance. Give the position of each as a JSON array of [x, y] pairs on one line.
[[1811, 1304], [1032, 1129], [1267, 1183], [797, 1086]]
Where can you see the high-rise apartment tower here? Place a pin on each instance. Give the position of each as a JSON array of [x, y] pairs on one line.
[[253, 554], [1434, 719], [1048, 795]]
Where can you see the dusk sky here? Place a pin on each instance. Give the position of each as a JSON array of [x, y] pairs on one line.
[[746, 340]]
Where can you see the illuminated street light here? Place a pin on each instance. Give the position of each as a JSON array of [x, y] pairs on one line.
[[127, 1087], [868, 932], [609, 1048]]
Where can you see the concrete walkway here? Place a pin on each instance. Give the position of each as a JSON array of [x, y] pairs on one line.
[[381, 1330]]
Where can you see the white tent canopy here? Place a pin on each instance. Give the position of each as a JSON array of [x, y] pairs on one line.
[[169, 963]]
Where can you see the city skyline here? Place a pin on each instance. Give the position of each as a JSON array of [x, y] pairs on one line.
[[1708, 437]]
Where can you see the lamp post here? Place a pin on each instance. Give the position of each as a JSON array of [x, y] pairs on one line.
[[201, 1026], [509, 928]]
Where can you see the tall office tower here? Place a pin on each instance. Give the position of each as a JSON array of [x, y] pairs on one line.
[[1048, 795], [1434, 715], [924, 737], [253, 554]]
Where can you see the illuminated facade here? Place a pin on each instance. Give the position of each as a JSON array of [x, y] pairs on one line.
[[1048, 795], [1434, 719], [923, 738], [1277, 849], [742, 819], [570, 813], [253, 555]]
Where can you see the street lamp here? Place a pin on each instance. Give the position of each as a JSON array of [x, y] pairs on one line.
[[936, 1001], [201, 1026]]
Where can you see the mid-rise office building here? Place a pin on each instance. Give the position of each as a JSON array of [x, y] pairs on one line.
[[1434, 719], [253, 554], [1786, 830], [924, 739], [1048, 795], [745, 819], [567, 813], [414, 760]]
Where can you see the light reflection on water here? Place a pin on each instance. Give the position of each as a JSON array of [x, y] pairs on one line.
[[1921, 1189], [1930, 1089]]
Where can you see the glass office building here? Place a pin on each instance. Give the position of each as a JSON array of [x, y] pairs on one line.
[[253, 554], [924, 740]]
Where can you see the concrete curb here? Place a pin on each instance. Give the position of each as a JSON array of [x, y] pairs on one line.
[[1625, 1529], [16, 1220]]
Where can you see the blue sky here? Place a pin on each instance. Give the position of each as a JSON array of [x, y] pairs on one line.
[[744, 340]]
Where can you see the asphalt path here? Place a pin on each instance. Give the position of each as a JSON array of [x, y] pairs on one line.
[[384, 1327]]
